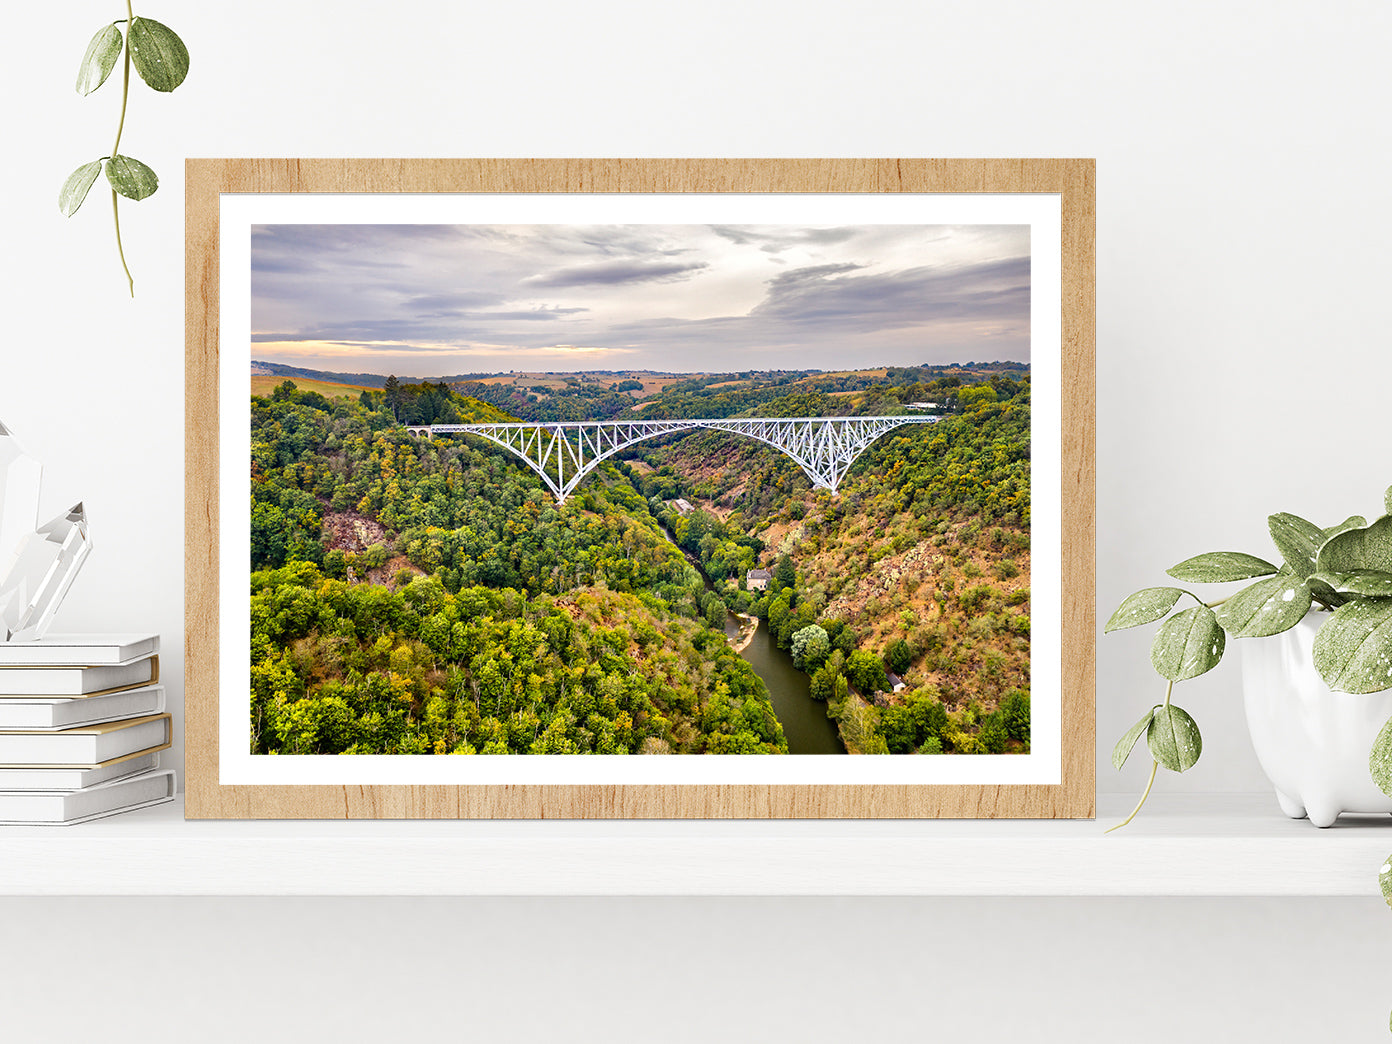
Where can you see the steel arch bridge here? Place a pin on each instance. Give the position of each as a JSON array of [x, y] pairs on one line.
[[564, 452]]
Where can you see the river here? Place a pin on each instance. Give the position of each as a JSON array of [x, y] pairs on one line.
[[804, 720]]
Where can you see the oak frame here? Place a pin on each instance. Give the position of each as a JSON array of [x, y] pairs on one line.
[[1072, 179]]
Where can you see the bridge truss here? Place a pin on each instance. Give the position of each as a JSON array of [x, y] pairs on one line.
[[563, 453]]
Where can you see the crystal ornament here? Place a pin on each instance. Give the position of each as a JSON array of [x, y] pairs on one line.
[[40, 574], [20, 475]]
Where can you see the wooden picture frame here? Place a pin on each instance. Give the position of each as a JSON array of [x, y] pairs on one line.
[[211, 181]]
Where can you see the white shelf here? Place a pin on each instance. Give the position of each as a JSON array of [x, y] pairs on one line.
[[1195, 845]]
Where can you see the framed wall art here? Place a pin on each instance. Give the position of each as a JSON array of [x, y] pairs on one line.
[[640, 488]]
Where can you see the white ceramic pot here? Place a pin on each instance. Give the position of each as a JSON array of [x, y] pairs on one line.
[[1312, 742]]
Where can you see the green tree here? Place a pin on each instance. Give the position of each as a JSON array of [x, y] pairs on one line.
[[783, 571], [810, 648], [898, 656], [993, 734], [823, 686], [866, 671], [896, 725], [392, 395], [1015, 710]]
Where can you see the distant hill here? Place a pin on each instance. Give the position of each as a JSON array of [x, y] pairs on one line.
[[295, 373], [264, 384], [603, 394]]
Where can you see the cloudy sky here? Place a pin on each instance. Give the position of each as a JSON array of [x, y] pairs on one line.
[[434, 300]]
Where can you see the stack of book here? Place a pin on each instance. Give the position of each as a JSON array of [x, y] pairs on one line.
[[82, 723]]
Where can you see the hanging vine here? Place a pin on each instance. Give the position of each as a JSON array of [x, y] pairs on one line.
[[162, 61]]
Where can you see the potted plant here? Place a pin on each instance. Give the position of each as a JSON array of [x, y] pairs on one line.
[[1318, 693]]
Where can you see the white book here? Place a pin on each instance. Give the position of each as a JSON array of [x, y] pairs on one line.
[[24, 778], [78, 650], [87, 746], [77, 681], [63, 808], [24, 713]]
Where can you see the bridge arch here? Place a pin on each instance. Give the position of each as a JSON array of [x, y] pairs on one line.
[[564, 453]]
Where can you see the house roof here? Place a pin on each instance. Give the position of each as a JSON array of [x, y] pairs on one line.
[[759, 574]]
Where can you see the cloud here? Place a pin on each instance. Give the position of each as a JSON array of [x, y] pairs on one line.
[[775, 240], [530, 315], [672, 297], [810, 274], [992, 290], [452, 300], [436, 360], [616, 273]]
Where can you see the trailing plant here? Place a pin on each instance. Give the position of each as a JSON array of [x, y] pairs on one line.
[[162, 61], [1346, 570]]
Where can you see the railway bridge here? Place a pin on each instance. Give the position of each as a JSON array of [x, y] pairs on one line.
[[564, 452]]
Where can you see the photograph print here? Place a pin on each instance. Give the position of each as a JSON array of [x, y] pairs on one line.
[[640, 489]]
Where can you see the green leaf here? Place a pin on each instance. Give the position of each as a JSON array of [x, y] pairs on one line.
[[1188, 644], [1297, 540], [159, 55], [1173, 738], [1385, 880], [1353, 650], [1368, 583], [1267, 607], [1320, 589], [99, 60], [1379, 764], [1387, 500], [1354, 549], [1219, 567], [1143, 607], [130, 177], [1122, 750], [1352, 522], [75, 189]]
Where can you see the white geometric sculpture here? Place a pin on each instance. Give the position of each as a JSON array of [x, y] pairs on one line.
[[20, 476], [37, 566], [40, 574]]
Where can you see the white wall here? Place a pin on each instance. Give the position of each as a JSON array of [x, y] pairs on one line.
[[1242, 219]]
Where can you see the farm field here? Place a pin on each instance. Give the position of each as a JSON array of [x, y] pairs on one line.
[[264, 384]]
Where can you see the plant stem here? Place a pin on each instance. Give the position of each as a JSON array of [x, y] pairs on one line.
[[1154, 767], [115, 149], [1206, 605], [116, 215], [125, 81]]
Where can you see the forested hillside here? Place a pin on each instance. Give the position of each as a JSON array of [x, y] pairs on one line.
[[426, 597], [414, 596], [921, 562]]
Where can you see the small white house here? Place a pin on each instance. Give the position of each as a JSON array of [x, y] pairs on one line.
[[896, 683], [683, 506], [757, 579]]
